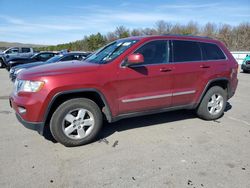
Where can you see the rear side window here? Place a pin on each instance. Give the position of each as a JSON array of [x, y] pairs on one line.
[[73, 57], [211, 52], [184, 51], [155, 52], [25, 50], [46, 56]]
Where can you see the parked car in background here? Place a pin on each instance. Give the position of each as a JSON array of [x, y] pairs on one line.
[[15, 52], [58, 58], [42, 56], [246, 64], [128, 77]]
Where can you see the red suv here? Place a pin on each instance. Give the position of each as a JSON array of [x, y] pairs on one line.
[[129, 77]]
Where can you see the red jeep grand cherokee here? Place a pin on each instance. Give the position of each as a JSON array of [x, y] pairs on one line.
[[129, 77]]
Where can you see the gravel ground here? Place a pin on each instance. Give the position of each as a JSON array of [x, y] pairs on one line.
[[170, 150]]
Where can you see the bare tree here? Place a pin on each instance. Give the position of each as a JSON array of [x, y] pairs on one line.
[[225, 34], [209, 30], [122, 32], [111, 36], [149, 31], [136, 32]]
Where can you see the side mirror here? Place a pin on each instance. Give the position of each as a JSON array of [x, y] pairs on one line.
[[134, 59]]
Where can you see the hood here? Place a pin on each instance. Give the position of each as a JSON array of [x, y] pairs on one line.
[[19, 59], [29, 65], [66, 67]]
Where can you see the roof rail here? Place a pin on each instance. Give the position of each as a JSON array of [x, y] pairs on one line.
[[182, 35]]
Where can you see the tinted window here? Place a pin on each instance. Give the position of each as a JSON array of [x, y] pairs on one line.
[[12, 51], [25, 50], [73, 57], [154, 52], [186, 51], [67, 58], [45, 56], [211, 52]]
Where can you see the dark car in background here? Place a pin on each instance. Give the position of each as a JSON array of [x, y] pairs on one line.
[[58, 58], [42, 56]]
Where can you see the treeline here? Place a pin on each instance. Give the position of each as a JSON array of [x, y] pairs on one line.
[[235, 37]]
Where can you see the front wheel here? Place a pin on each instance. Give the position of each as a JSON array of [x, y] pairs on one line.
[[76, 122], [213, 104]]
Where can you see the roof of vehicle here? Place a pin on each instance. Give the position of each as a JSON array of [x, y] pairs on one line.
[[74, 53], [173, 36]]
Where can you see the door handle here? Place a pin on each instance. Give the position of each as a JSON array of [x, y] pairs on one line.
[[204, 66], [165, 70]]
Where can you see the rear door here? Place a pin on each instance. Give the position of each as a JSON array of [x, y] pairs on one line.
[[149, 85], [25, 52], [189, 70]]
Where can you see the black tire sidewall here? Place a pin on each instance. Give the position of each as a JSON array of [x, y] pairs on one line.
[[56, 125], [1, 63]]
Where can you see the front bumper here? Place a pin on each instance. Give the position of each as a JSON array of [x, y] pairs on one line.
[[245, 67], [36, 126], [26, 117]]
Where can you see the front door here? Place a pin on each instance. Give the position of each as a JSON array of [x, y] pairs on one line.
[[146, 86]]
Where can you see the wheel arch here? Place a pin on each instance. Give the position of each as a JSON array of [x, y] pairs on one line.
[[92, 94], [222, 82]]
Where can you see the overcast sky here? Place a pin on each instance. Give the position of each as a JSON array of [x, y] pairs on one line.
[[60, 21]]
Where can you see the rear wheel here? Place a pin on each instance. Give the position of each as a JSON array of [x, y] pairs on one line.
[[1, 63], [213, 104], [76, 122]]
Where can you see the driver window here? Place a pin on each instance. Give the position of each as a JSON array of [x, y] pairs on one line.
[[155, 52]]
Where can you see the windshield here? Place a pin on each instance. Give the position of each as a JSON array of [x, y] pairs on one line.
[[54, 59], [34, 56], [111, 51]]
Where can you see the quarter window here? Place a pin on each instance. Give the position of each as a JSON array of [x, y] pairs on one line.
[[211, 52], [184, 51], [155, 52]]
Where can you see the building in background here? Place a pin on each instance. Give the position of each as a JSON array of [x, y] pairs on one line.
[[240, 55]]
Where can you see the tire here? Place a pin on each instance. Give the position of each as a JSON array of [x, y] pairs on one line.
[[245, 71], [211, 109], [2, 65], [76, 122]]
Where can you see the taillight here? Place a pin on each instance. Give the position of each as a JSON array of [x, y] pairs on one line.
[[248, 63]]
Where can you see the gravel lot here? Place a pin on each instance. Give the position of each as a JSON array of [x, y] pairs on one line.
[[172, 150]]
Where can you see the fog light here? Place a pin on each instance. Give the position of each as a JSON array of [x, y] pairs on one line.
[[21, 110]]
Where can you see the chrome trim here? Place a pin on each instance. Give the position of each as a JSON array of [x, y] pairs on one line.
[[184, 93], [158, 96], [146, 98]]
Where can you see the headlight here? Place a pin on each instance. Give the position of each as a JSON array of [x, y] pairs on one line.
[[28, 86], [11, 62], [18, 71]]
